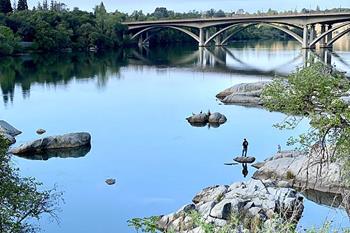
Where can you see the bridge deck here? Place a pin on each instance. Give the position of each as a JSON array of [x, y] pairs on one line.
[[239, 17]]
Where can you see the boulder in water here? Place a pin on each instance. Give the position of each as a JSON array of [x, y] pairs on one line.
[[247, 94], [41, 131], [110, 181], [41, 146], [243, 159], [202, 119], [198, 118], [217, 118], [6, 128]]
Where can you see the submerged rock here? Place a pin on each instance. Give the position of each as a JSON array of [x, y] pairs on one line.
[[252, 199], [110, 181], [45, 145], [41, 131], [243, 94], [6, 128], [243, 159]]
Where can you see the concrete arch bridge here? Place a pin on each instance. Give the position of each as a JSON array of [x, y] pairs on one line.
[[218, 31]]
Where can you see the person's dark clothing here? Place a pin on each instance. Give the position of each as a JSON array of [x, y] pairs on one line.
[[245, 148]]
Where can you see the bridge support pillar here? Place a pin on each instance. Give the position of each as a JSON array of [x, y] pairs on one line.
[[327, 39], [312, 35], [323, 41], [201, 37], [140, 43], [207, 35], [218, 40], [305, 37]]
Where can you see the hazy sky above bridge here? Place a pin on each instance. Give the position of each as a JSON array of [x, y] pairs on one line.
[[201, 5]]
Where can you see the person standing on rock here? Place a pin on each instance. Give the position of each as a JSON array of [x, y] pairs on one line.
[[245, 148]]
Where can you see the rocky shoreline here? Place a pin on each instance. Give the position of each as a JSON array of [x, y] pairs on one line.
[[303, 171], [277, 187], [249, 202], [273, 190]]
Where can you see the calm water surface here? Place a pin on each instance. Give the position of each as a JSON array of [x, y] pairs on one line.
[[134, 104]]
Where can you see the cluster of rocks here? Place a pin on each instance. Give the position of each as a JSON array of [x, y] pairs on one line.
[[271, 190], [247, 94], [202, 119], [253, 200]]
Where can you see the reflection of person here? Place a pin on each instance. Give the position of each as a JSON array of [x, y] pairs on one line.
[[245, 169], [279, 149], [245, 147]]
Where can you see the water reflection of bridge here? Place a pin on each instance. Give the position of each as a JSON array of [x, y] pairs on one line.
[[224, 60]]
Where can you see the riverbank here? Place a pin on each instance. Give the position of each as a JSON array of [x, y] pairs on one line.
[[169, 160], [256, 204]]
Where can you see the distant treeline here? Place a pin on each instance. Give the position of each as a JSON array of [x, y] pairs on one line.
[[54, 27]]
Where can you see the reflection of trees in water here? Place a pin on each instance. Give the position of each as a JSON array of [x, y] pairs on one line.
[[55, 69]]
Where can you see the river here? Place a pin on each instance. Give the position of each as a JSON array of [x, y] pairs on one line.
[[134, 103]]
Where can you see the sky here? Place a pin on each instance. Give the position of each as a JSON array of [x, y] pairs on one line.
[[148, 6]]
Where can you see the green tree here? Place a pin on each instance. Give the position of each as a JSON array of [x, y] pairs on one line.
[[316, 93], [161, 13], [5, 6], [45, 5], [22, 5], [20, 198]]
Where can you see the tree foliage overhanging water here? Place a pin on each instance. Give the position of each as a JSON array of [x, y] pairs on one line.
[[318, 93], [21, 199]]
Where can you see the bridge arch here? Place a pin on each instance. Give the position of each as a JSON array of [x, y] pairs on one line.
[[191, 34], [326, 33], [341, 34], [286, 30]]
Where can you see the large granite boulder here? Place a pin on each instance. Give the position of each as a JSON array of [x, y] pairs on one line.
[[6, 128], [304, 170], [252, 199], [243, 94], [203, 119], [217, 118], [198, 118], [45, 145]]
